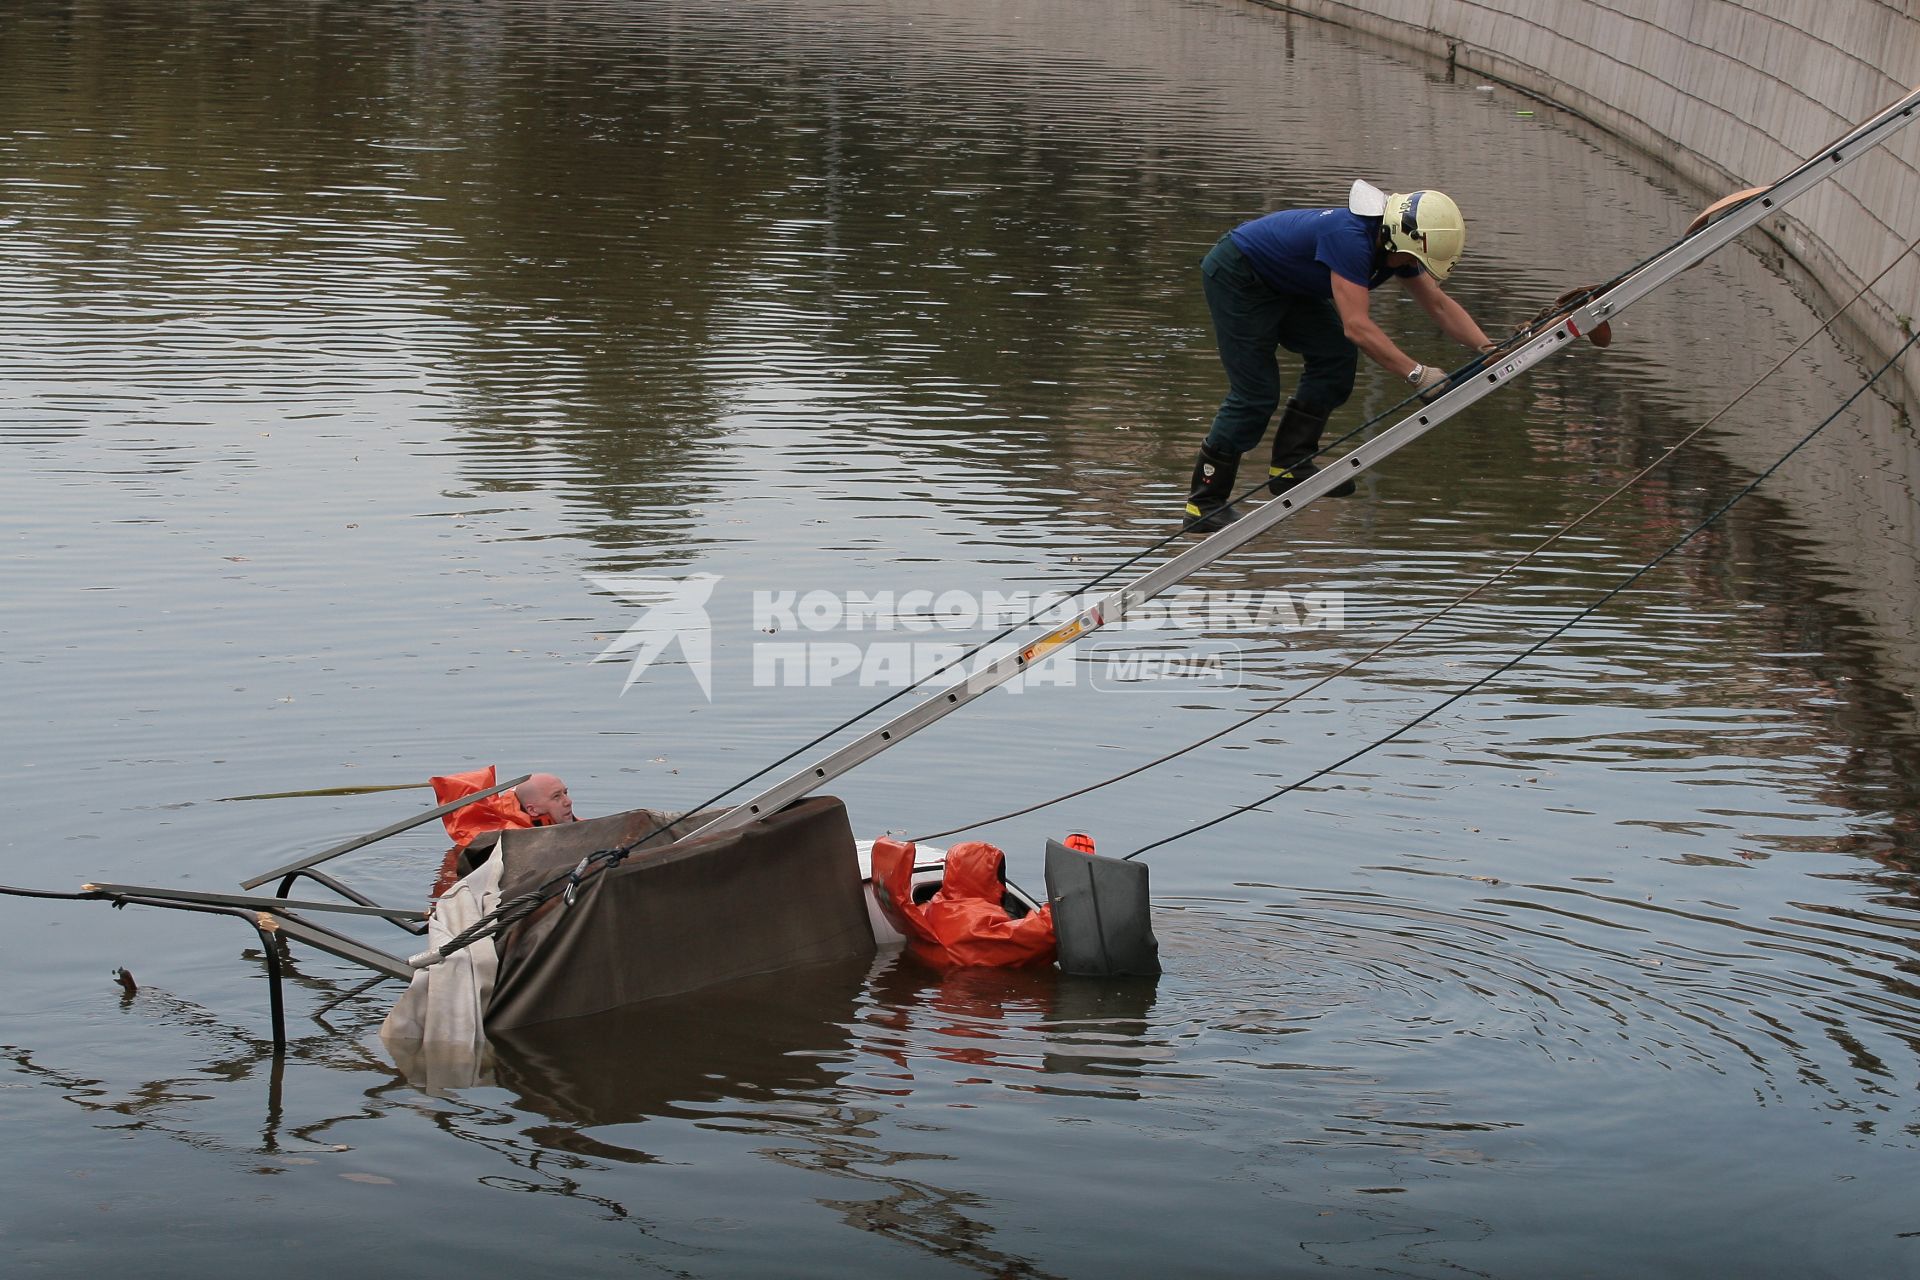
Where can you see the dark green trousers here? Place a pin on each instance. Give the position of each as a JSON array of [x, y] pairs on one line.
[[1251, 322]]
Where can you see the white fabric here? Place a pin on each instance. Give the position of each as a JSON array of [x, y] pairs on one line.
[[434, 1031], [1366, 199]]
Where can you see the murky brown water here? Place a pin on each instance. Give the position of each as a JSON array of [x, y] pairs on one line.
[[347, 350]]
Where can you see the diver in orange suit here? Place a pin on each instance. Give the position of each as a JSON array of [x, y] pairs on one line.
[[965, 923]]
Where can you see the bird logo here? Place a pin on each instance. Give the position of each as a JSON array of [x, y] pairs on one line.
[[674, 612]]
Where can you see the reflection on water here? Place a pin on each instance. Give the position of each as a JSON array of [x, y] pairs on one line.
[[1334, 1046], [348, 340]]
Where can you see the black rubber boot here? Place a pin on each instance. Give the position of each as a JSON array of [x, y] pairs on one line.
[[1295, 440], [1280, 479], [1210, 491]]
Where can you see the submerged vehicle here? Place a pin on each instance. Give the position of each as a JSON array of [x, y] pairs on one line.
[[684, 907], [555, 922]]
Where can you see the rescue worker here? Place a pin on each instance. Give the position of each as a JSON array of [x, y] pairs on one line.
[[1303, 279], [966, 923]]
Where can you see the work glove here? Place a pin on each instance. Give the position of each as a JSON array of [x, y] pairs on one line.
[[1429, 381]]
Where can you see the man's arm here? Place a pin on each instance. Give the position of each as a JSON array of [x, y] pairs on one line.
[[1448, 314], [1351, 301]]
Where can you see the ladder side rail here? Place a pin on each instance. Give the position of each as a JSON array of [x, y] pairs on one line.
[[1690, 251]]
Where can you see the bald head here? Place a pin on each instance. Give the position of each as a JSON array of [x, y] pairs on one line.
[[545, 799]]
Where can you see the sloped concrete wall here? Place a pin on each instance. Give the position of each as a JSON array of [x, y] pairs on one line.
[[1728, 93]]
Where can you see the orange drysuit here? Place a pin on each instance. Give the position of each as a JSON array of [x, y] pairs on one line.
[[964, 924]]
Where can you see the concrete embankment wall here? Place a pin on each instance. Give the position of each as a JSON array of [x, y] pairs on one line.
[[1728, 93]]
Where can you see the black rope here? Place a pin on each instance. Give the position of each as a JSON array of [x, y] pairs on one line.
[[487, 925], [511, 912], [1543, 320], [502, 917], [1455, 603], [1557, 632]]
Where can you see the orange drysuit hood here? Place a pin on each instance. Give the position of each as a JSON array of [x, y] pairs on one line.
[[975, 869]]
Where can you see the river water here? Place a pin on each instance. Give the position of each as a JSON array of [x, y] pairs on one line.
[[363, 368]]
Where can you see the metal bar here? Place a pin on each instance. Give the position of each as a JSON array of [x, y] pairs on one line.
[[1470, 390], [354, 994], [326, 881], [328, 791], [339, 944], [272, 906], [321, 878], [359, 842], [270, 950]]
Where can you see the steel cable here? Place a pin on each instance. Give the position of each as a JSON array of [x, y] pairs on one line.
[[492, 923], [1450, 606], [1558, 631]]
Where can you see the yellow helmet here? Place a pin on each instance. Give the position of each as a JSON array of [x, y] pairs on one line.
[[1428, 225]]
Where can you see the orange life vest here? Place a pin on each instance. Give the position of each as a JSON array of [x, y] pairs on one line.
[[495, 813]]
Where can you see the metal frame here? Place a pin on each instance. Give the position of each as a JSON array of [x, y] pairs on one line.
[[360, 842], [251, 902]]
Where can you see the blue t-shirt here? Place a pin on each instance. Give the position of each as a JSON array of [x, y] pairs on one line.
[[1298, 250]]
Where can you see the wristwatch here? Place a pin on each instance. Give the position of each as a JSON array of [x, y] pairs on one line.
[[1415, 376]]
